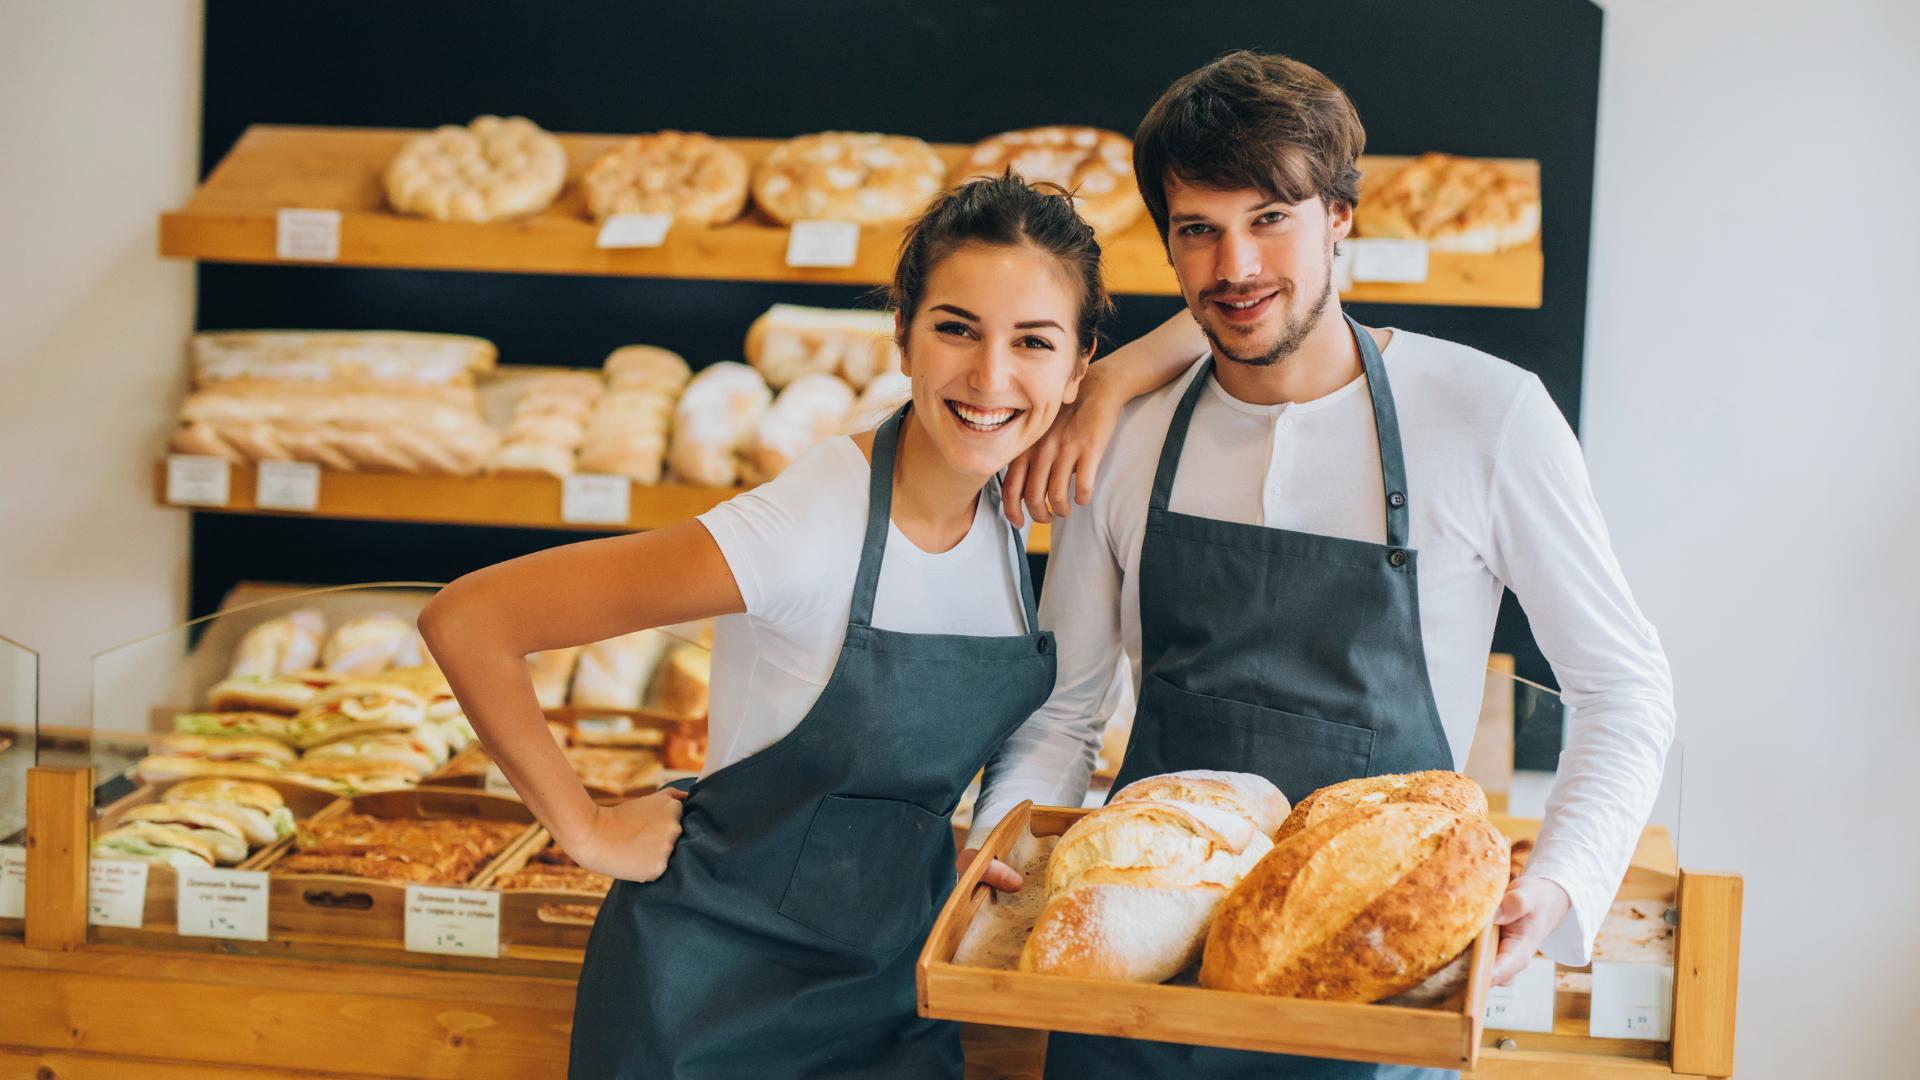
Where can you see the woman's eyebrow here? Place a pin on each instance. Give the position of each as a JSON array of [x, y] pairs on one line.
[[960, 311], [1038, 324]]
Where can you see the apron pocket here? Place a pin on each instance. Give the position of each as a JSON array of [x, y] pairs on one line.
[[1298, 753], [861, 878]]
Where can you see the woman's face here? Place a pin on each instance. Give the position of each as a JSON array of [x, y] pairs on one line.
[[993, 353]]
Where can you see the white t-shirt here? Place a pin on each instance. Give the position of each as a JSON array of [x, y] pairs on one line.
[[1499, 497], [794, 548]]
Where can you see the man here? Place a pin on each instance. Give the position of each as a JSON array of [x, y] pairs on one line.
[[1300, 543]]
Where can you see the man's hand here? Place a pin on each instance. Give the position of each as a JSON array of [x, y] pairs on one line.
[[1067, 456], [1530, 911], [999, 875]]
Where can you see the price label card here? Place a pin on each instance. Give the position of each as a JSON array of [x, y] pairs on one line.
[[1631, 1001], [196, 480], [1398, 261], [307, 235], [223, 904], [823, 243], [634, 231], [1526, 1004], [116, 892], [13, 881], [287, 485], [596, 499], [496, 782], [454, 922]]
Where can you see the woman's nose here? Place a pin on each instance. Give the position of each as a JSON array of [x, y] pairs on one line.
[[993, 368]]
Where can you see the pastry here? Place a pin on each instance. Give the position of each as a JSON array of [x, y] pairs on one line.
[[280, 646], [1359, 906], [551, 671], [367, 644], [719, 409], [811, 409], [489, 170], [613, 674], [1452, 203], [1438, 786], [845, 176], [351, 775], [680, 684], [1093, 165], [692, 177], [448, 851], [788, 341]]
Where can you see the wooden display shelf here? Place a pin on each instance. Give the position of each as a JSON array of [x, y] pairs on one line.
[[510, 501], [233, 218]]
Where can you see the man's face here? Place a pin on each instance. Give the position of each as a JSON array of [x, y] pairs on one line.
[[1256, 273]]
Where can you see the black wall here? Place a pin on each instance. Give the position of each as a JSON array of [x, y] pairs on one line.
[[1512, 78]]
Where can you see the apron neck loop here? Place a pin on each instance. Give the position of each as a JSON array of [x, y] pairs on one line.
[[1386, 426], [866, 583]]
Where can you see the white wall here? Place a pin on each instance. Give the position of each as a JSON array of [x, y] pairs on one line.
[[99, 130], [1751, 379]]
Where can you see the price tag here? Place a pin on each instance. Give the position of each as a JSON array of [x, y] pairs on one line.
[[1527, 1004], [634, 231], [196, 480], [496, 782], [223, 904], [307, 235], [116, 892], [13, 881], [823, 243], [1631, 1001], [595, 499], [1399, 261], [454, 922], [287, 485]]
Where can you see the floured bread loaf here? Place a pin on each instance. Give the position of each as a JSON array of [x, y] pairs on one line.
[[714, 416], [1361, 906], [1437, 786], [695, 178], [489, 170], [1246, 794], [1132, 887], [848, 176], [811, 409]]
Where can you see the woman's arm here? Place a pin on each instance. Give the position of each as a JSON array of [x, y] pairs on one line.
[[1080, 434], [481, 628]]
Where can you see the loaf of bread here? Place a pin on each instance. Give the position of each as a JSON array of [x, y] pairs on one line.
[[1453, 203], [680, 685], [490, 170], [848, 176], [1133, 886], [548, 424], [627, 433], [339, 357], [1360, 906], [613, 674], [1247, 795], [720, 408], [885, 394], [552, 672], [788, 341], [366, 644], [1092, 165], [1437, 786], [281, 646], [694, 178], [812, 408]]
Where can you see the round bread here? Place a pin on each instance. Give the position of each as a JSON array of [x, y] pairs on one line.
[[694, 178], [1250, 795], [1359, 907], [1436, 786], [1453, 203], [489, 170], [864, 178], [1093, 165]]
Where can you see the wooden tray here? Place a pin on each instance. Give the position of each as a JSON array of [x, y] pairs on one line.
[[522, 922], [364, 908], [163, 881], [1444, 1037]]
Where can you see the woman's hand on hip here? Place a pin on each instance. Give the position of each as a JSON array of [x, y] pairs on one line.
[[633, 840]]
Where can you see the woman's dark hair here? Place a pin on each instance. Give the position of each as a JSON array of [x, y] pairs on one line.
[[1003, 211], [1251, 120]]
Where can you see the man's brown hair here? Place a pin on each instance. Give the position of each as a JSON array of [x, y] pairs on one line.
[[1251, 120]]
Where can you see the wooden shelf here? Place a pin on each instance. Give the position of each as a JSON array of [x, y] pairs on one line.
[[233, 218], [515, 502]]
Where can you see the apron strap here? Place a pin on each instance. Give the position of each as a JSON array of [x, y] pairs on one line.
[[1386, 428], [1019, 552], [866, 583]]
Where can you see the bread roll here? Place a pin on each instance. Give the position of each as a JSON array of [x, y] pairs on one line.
[[1249, 795], [613, 674], [885, 394], [680, 686], [366, 644], [719, 410], [279, 646], [811, 409], [1437, 786], [788, 341], [1360, 906], [1131, 889], [646, 367]]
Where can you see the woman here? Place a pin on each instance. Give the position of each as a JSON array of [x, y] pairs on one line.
[[877, 642]]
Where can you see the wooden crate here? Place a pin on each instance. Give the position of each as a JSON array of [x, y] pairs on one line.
[[370, 910], [1446, 1036], [522, 918]]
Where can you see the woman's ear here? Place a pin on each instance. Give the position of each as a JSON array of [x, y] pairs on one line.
[[1072, 391], [900, 339]]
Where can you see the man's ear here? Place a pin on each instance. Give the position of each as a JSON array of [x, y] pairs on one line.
[[900, 339], [1339, 220], [1072, 392]]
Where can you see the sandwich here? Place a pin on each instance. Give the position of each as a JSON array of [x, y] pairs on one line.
[[162, 845], [258, 811], [356, 708], [222, 836]]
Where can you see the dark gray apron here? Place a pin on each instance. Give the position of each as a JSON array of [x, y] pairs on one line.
[[1288, 654], [781, 940]]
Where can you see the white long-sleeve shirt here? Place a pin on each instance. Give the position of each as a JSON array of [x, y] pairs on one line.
[[1499, 497]]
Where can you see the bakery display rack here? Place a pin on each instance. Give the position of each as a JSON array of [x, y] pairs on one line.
[[234, 217]]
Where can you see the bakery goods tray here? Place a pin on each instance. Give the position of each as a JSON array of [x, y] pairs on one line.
[[553, 917], [1445, 1036]]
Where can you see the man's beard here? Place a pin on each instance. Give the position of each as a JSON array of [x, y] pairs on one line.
[[1293, 333]]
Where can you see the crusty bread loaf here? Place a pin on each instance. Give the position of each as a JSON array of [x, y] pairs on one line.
[[811, 409], [1132, 887], [1437, 786], [1361, 906], [713, 417], [612, 674], [1247, 794]]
